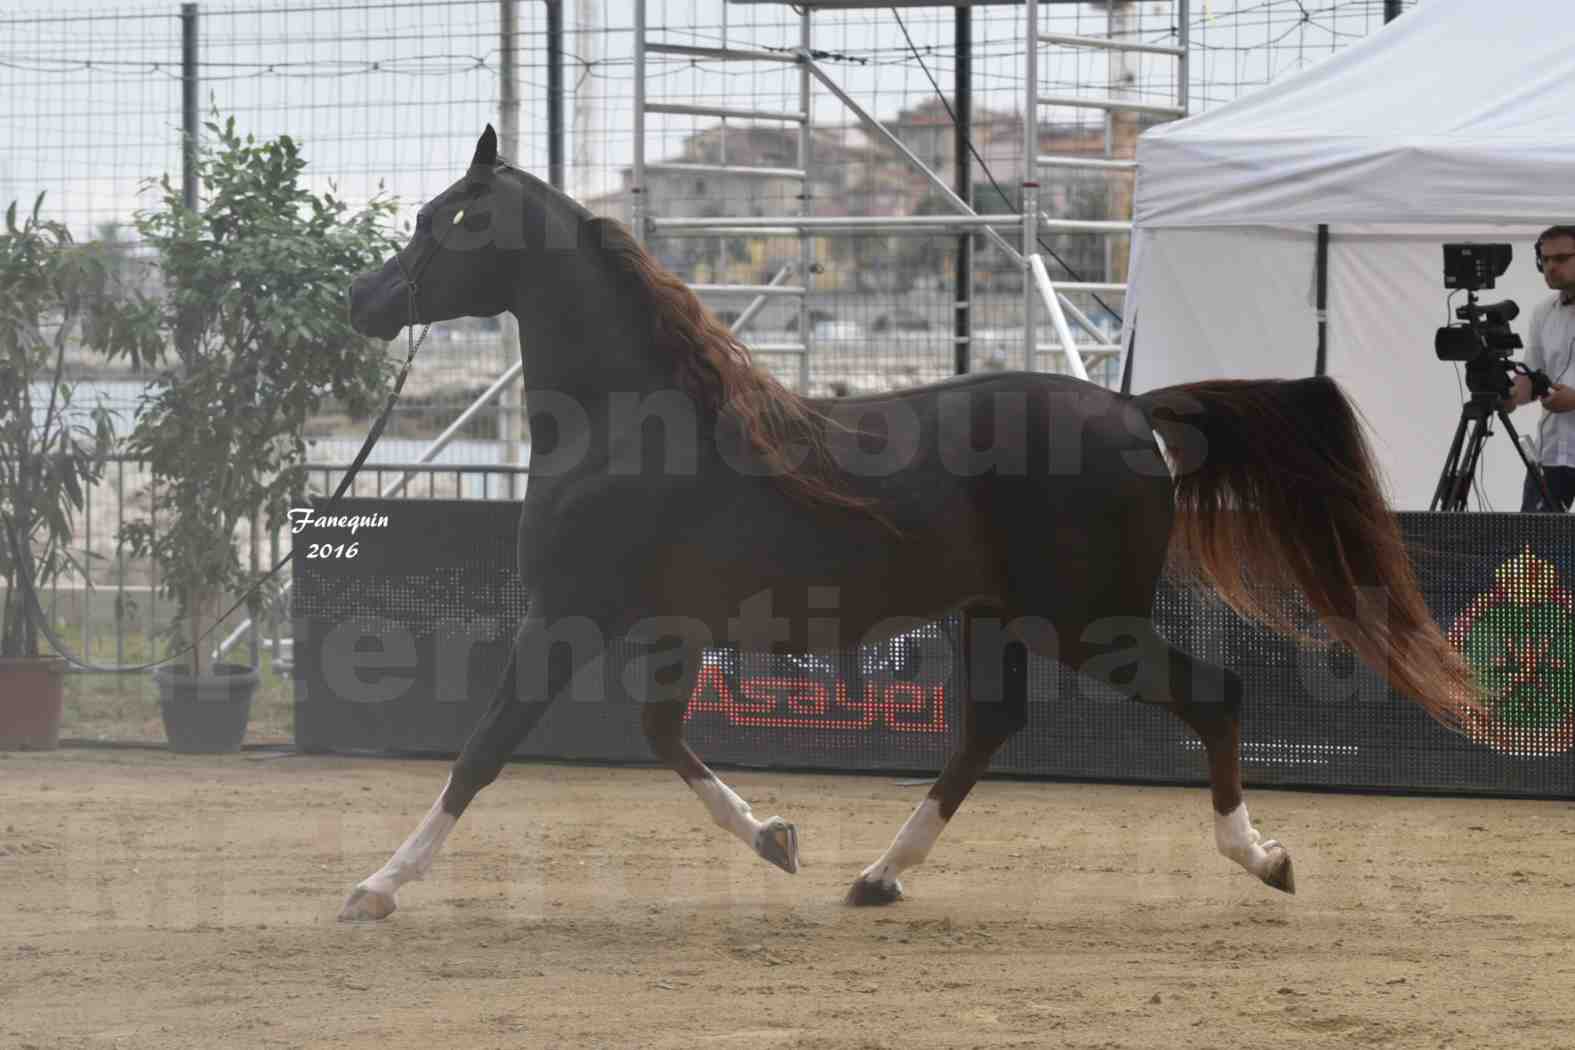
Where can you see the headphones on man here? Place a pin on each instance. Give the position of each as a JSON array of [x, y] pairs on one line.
[[1552, 231]]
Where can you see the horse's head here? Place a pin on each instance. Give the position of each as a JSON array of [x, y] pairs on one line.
[[454, 264]]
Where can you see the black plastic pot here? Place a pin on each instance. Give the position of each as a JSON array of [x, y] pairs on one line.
[[206, 715]]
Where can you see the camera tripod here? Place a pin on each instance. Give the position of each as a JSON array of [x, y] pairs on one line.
[[1460, 466]]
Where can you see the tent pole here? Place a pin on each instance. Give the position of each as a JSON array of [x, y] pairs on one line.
[[1322, 364], [1126, 366], [555, 94]]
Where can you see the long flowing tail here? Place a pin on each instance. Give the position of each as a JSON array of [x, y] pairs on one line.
[[1275, 486]]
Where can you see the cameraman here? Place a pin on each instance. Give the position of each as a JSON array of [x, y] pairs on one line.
[[1550, 345]]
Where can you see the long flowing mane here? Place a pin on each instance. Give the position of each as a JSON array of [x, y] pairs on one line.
[[715, 369]]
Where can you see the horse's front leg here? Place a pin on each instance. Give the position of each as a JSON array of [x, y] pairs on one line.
[[880, 883], [773, 838], [376, 896], [512, 715], [995, 708]]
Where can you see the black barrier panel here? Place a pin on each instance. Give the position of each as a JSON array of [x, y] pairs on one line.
[[400, 641]]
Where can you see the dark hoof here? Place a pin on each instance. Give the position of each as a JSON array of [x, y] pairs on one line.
[[865, 893], [777, 841], [1281, 875]]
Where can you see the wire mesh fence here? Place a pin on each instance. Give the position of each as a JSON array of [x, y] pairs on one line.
[[390, 97]]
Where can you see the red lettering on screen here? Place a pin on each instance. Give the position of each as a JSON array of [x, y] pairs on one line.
[[796, 703]]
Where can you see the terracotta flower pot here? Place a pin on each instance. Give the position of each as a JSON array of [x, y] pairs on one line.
[[32, 692]]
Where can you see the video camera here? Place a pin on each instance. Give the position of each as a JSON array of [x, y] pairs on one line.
[[1485, 332], [1484, 342]]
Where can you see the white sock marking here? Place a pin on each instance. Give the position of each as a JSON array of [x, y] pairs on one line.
[[413, 859], [729, 811], [1237, 839], [911, 845]]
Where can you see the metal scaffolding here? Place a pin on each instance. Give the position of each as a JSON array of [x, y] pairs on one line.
[[1023, 250], [1038, 288]]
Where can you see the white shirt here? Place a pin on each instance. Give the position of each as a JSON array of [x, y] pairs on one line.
[[1550, 346]]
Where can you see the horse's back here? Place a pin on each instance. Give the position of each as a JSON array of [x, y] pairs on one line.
[[1058, 435], [960, 485], [966, 482]]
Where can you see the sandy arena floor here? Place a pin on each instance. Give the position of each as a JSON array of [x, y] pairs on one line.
[[153, 900]]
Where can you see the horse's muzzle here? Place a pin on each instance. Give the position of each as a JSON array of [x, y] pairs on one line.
[[379, 304]]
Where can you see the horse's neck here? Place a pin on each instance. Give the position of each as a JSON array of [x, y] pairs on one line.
[[581, 341]]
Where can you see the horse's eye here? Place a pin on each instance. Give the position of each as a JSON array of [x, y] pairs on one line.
[[459, 216]]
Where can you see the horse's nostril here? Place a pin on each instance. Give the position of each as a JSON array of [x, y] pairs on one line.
[[356, 303]]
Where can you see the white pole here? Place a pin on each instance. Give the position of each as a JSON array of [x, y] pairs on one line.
[[1030, 195], [637, 191], [1074, 358]]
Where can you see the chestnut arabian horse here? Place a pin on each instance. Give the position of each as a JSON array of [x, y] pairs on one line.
[[680, 498]]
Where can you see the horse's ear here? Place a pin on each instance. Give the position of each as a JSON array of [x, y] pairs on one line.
[[486, 148]]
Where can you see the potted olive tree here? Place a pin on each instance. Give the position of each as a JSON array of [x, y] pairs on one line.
[[53, 292], [254, 336]]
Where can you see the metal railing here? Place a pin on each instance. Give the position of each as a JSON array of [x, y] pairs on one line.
[[119, 597]]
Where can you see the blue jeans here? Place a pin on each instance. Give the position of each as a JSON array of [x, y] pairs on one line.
[[1561, 483]]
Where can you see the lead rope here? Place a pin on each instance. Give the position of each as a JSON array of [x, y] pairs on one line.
[[34, 609]]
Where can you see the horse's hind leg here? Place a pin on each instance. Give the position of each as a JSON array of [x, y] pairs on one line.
[[1219, 727], [507, 721], [995, 708], [1207, 698], [663, 722]]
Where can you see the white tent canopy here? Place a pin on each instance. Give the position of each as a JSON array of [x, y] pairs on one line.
[[1454, 122]]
